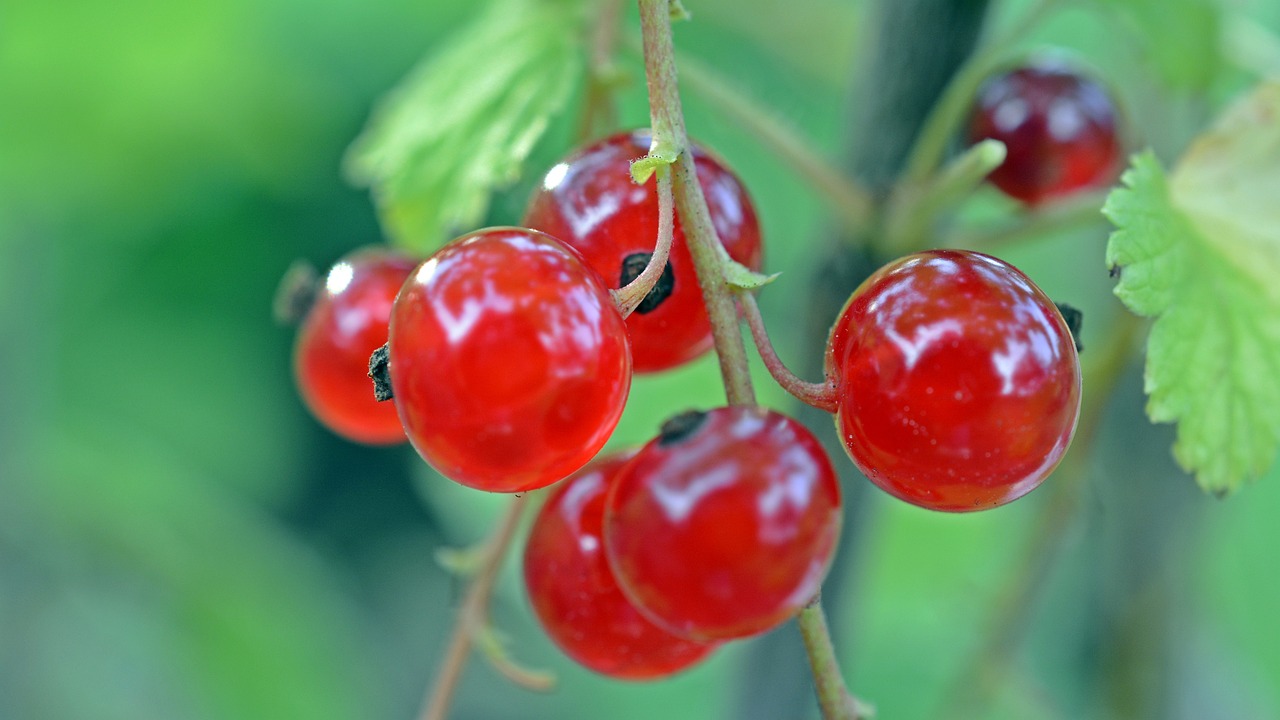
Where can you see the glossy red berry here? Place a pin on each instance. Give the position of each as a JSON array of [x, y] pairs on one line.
[[958, 380], [509, 363], [1059, 128], [724, 525], [575, 595], [346, 322], [590, 203]]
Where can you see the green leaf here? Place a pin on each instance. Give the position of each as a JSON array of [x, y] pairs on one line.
[[462, 123], [1200, 250], [1182, 38]]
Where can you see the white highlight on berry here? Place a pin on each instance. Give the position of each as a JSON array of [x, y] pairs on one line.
[[339, 278], [555, 176]]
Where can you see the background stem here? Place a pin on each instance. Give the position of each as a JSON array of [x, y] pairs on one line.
[[916, 48]]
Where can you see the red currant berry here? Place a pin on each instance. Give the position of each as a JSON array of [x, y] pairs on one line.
[[575, 595], [509, 363], [724, 525], [590, 203], [958, 381], [1058, 126], [346, 322]]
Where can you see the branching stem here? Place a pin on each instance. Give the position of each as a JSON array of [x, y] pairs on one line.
[[946, 116], [472, 614], [1069, 214], [850, 201], [669, 136], [667, 119]]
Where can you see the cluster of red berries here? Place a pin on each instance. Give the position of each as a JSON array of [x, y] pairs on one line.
[[955, 382]]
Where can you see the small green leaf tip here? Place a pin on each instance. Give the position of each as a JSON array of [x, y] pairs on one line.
[[741, 277], [660, 154], [1199, 250]]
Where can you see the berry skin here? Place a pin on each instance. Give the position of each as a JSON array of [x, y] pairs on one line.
[[1058, 126], [958, 381], [724, 525], [348, 321], [509, 363], [590, 203], [574, 592]]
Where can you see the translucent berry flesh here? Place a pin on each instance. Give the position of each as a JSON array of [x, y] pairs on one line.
[[958, 381], [348, 321], [509, 363], [1059, 128], [590, 202], [725, 525], [575, 595]]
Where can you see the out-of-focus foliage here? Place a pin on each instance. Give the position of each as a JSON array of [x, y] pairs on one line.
[[1182, 39], [179, 540], [463, 122]]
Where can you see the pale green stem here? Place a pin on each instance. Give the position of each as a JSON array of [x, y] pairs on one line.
[[914, 210]]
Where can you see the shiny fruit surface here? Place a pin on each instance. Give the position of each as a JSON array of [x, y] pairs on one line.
[[958, 381], [724, 525], [590, 202], [346, 322], [575, 595], [509, 363], [1058, 126]]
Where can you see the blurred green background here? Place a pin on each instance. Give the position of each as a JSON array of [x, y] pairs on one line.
[[178, 539]]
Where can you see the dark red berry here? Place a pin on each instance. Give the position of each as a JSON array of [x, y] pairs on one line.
[[725, 525], [590, 203], [958, 380], [348, 321], [574, 592], [509, 363], [1059, 128]]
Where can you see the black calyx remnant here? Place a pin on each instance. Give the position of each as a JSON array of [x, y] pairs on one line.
[[680, 427], [632, 266], [1075, 321], [380, 373]]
